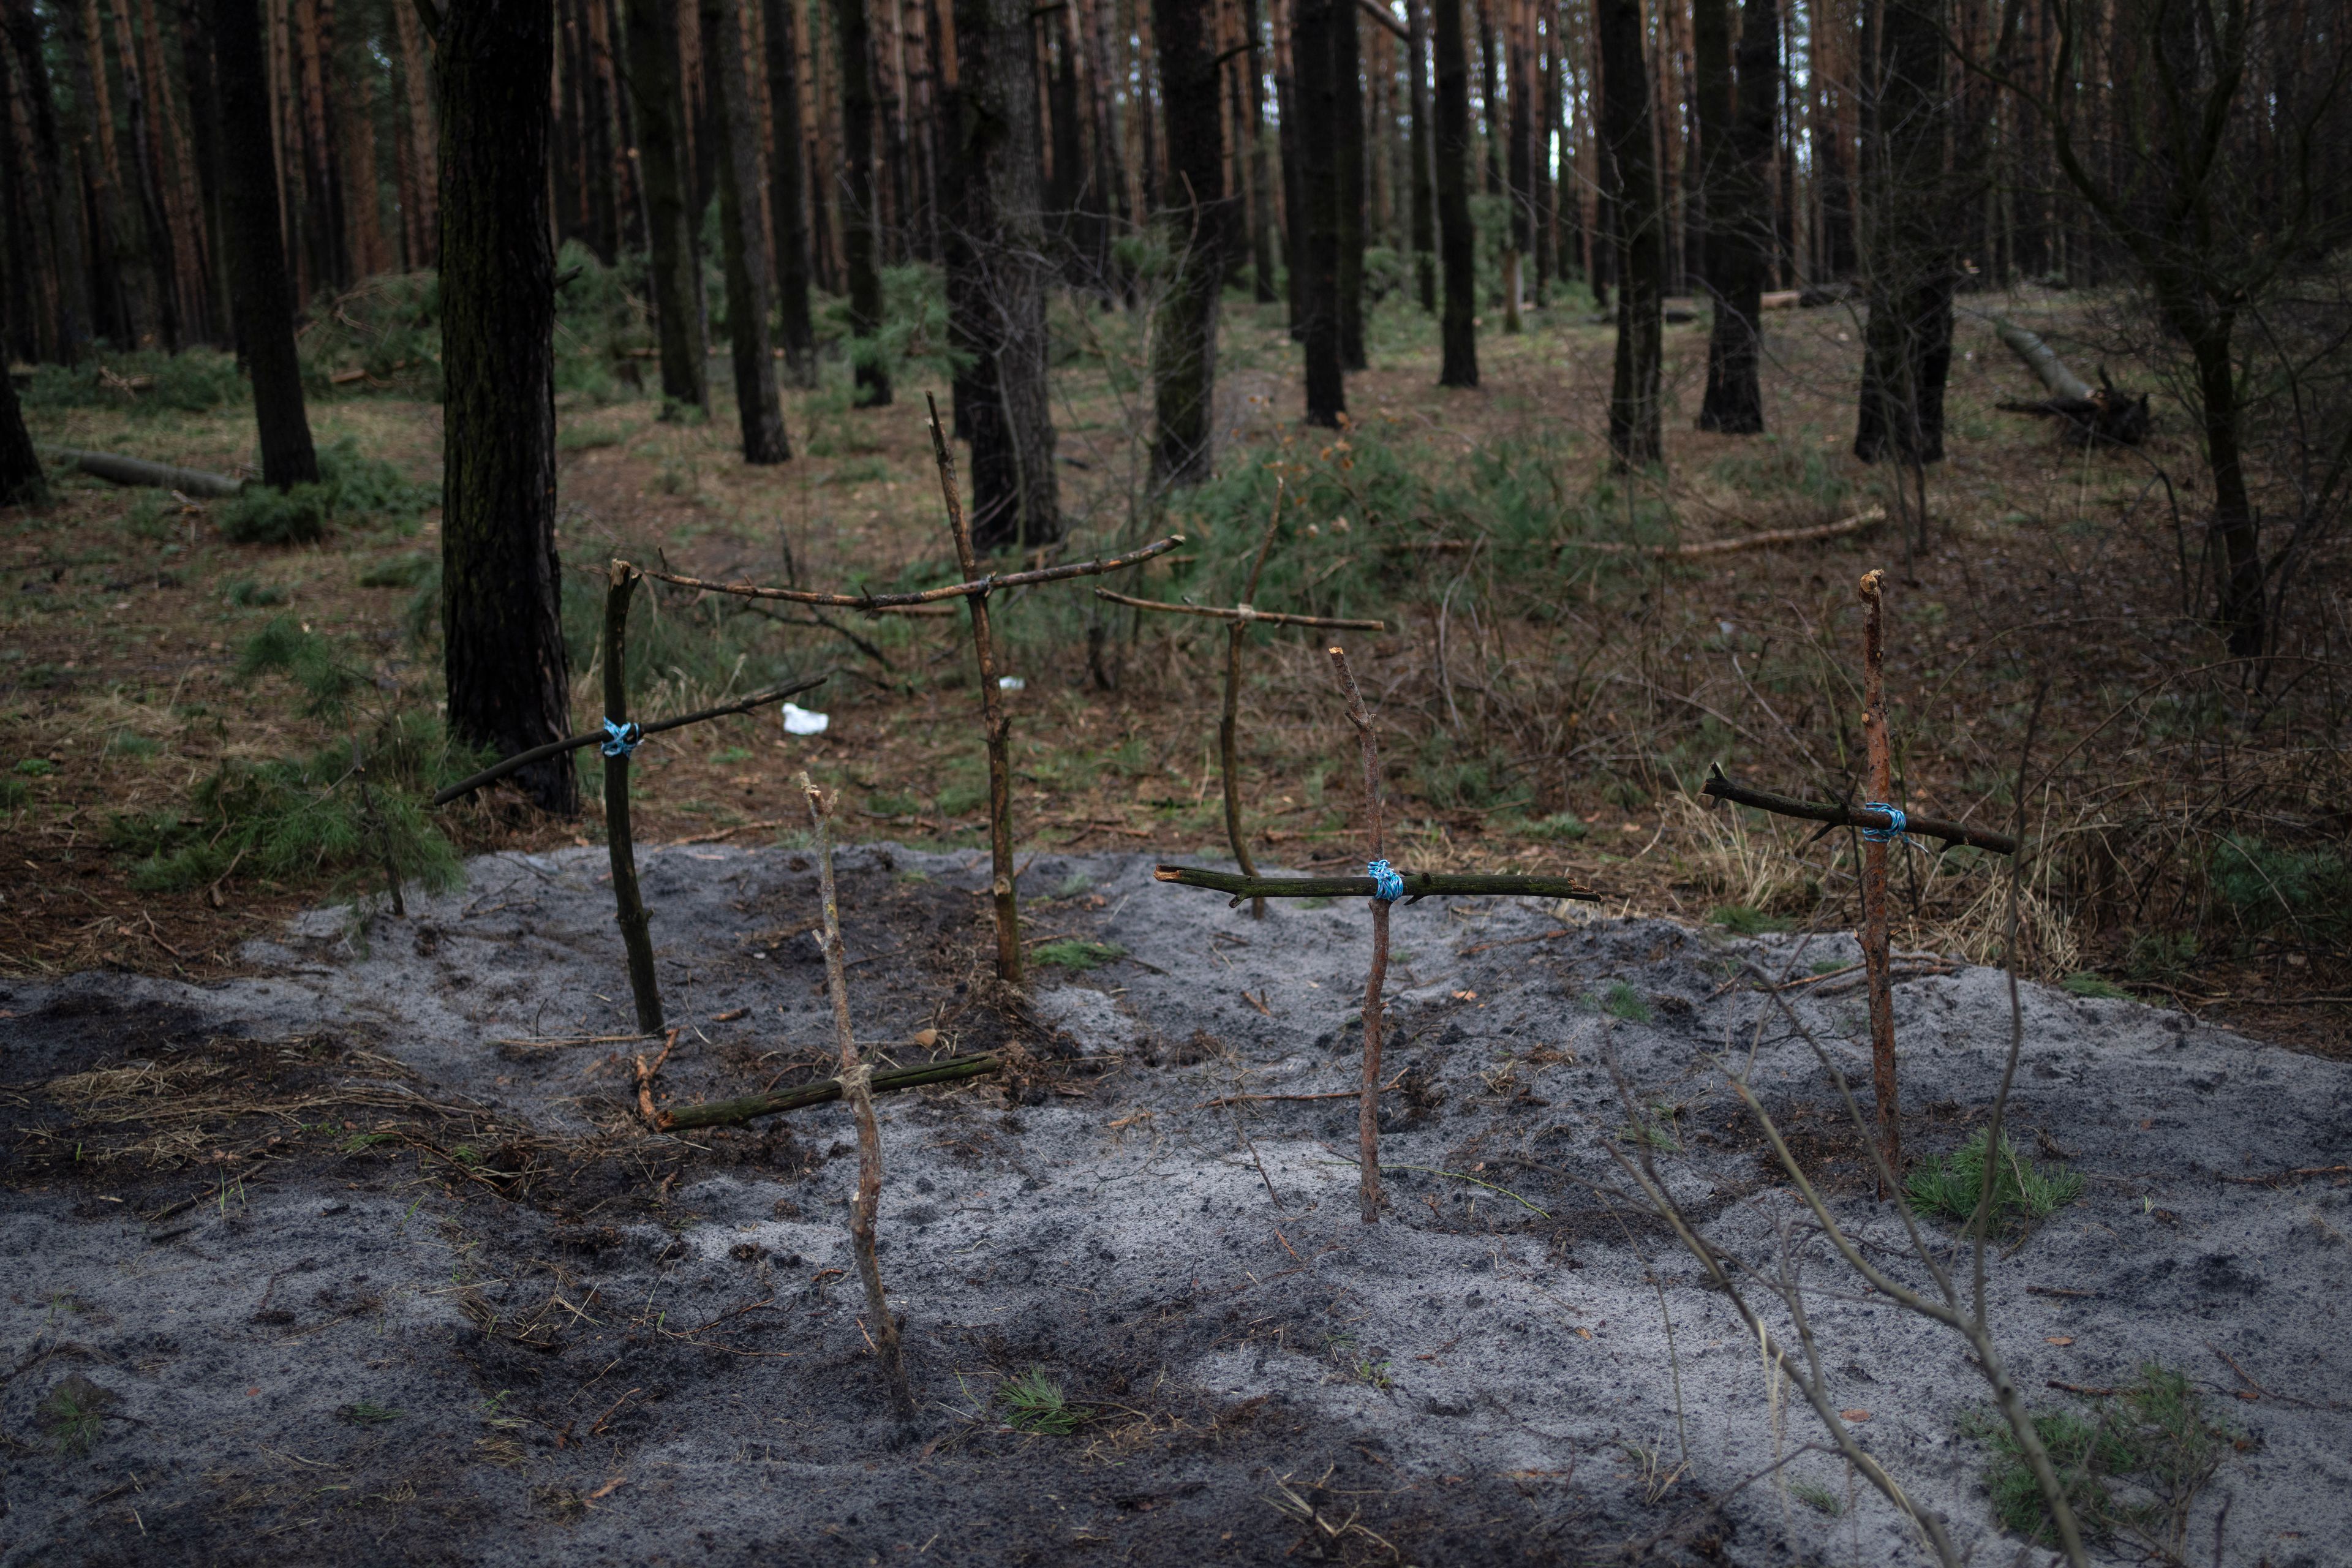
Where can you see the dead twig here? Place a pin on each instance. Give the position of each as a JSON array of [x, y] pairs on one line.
[[976, 586]]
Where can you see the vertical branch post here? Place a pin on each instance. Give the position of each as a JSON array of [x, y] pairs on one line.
[[622, 739], [998, 728], [856, 1085], [1367, 1108], [1874, 880], [1227, 720]]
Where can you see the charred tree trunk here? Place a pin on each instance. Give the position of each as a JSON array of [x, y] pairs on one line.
[[1907, 340], [997, 271], [1425, 179], [21, 480], [787, 195], [1198, 220], [1457, 240], [1634, 438], [260, 293], [1350, 172], [758, 408], [65, 334], [501, 613], [1738, 215], [1263, 228], [859, 242], [654, 92], [1315, 50]]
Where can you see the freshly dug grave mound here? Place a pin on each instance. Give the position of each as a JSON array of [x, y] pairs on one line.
[[369, 1257]]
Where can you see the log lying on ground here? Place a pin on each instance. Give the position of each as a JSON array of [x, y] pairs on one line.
[[2101, 414], [1417, 884], [1835, 816], [116, 469], [1768, 539], [730, 1112]]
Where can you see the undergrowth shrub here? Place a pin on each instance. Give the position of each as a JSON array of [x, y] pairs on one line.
[[2022, 1191], [2266, 886], [350, 486], [2131, 1466], [146, 381]]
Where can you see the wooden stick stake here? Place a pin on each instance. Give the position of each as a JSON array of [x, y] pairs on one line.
[[1417, 884], [1228, 721], [1874, 881], [1368, 1105], [630, 906], [857, 1085], [998, 727]]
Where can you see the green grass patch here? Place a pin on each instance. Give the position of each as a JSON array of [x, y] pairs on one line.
[[400, 572], [1746, 920], [1034, 1402], [2022, 1193], [2083, 983], [74, 1413], [350, 486], [1069, 952], [248, 592], [1622, 1001], [1560, 827], [36, 767]]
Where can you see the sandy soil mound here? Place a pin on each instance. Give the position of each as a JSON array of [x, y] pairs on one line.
[[321, 1265]]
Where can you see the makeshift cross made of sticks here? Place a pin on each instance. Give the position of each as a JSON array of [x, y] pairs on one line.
[[1384, 885]]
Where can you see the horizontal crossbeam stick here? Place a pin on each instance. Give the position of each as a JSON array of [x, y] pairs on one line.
[[596, 737], [1244, 613], [928, 595], [1417, 884], [1764, 541], [727, 1113], [1951, 833]]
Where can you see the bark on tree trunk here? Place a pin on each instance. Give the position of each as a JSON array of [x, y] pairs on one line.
[[1634, 439], [260, 293], [1907, 340], [997, 271], [66, 335], [787, 198], [858, 195], [1313, 49], [1738, 207], [501, 586], [1424, 180], [1348, 112], [21, 480], [1457, 240], [652, 43], [759, 410], [1264, 229], [1199, 221]]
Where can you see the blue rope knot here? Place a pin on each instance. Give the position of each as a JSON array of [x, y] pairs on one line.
[[1387, 885], [1895, 823], [620, 740]]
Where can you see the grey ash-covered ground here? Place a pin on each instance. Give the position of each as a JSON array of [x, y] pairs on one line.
[[308, 1267]]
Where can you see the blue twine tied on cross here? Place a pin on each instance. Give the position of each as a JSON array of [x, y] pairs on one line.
[[1387, 885], [1895, 823], [620, 740]]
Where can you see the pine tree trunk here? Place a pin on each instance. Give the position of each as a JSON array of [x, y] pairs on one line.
[[501, 601], [1264, 226], [1736, 151], [859, 201], [1634, 438], [654, 91], [1907, 340], [997, 275], [787, 195], [423, 141], [1315, 50], [21, 480], [159, 241], [1519, 163], [260, 295], [1458, 238], [1348, 111], [205, 137], [1490, 98], [1196, 222], [1423, 145], [64, 335], [758, 407], [1289, 88]]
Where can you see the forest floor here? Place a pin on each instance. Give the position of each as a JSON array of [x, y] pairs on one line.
[[1548, 719], [364, 1256]]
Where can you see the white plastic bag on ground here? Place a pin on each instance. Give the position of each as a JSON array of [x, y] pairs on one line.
[[800, 720]]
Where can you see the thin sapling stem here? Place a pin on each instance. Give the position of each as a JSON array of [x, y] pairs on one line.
[[1228, 721], [1875, 849], [997, 726], [1367, 1106], [855, 1080]]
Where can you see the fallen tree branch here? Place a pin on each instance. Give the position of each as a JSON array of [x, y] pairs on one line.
[[981, 585], [1417, 884], [116, 469], [574, 742], [734, 1112], [1951, 833], [1244, 613], [1768, 539]]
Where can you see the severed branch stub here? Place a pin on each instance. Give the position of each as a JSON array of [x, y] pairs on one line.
[[734, 1112], [1719, 787], [855, 1083]]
